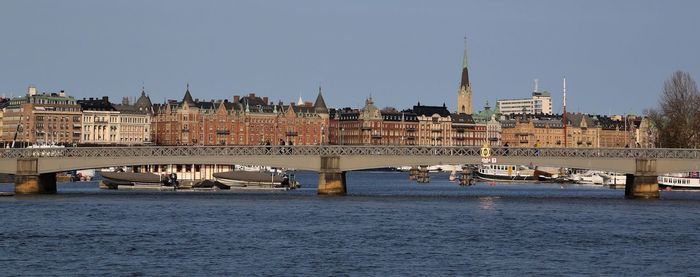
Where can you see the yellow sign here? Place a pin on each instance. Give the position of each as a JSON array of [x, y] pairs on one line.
[[485, 151]]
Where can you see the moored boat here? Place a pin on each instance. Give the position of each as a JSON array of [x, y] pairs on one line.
[[132, 180], [686, 181], [508, 173], [589, 177], [613, 180], [255, 179]]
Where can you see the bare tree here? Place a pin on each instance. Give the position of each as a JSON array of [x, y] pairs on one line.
[[677, 118]]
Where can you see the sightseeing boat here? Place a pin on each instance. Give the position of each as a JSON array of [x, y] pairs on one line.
[[686, 181], [509, 173]]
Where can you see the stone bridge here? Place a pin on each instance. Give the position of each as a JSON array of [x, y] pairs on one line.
[[35, 167]]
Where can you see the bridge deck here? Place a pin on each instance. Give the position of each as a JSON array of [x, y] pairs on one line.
[[352, 157]]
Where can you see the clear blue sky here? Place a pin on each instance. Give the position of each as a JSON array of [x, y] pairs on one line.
[[615, 54]]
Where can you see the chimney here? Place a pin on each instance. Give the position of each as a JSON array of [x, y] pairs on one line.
[[265, 100], [62, 93], [125, 100], [252, 95], [236, 99], [291, 104], [104, 98], [308, 104]]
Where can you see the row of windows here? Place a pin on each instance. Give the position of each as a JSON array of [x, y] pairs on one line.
[[56, 118]]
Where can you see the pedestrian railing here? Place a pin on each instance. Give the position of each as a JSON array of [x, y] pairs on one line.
[[345, 150]]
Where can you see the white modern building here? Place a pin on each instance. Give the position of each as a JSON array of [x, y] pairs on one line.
[[539, 103]]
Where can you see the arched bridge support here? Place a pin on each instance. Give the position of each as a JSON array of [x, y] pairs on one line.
[[643, 183], [331, 180], [29, 181]]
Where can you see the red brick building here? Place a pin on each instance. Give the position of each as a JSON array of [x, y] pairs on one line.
[[247, 120]]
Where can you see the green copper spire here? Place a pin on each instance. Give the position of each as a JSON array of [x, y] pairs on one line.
[[464, 62], [465, 72]]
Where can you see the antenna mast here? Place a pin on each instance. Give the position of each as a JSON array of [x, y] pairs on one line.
[[564, 112], [537, 85]]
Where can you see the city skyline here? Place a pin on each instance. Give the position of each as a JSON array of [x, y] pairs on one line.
[[609, 52]]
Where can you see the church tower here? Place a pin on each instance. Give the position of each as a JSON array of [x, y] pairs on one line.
[[464, 94]]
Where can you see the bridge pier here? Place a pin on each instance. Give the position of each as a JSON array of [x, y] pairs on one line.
[[423, 176], [331, 181], [29, 181], [643, 183]]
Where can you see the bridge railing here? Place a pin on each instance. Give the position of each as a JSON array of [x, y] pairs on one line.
[[345, 150]]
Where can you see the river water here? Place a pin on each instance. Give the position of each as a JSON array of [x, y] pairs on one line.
[[385, 226]]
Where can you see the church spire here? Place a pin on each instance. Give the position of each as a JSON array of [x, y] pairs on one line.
[[464, 93], [465, 71], [464, 61]]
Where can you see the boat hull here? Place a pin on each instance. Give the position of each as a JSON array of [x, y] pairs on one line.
[[504, 178], [677, 187], [246, 179]]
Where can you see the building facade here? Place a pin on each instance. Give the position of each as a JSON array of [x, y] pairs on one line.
[[582, 130], [434, 125], [42, 118], [490, 118], [104, 123], [3, 103], [539, 103], [247, 120], [466, 132], [100, 121], [372, 126], [135, 121]]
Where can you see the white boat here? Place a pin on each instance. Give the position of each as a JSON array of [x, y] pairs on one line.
[[689, 180], [253, 168], [443, 167], [432, 168], [499, 172], [588, 177], [613, 179], [85, 174]]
